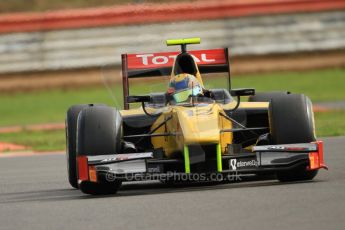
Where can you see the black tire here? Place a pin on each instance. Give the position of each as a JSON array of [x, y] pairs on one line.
[[291, 121], [267, 97], [71, 137], [99, 132], [71, 141]]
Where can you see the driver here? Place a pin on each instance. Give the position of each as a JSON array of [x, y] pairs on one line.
[[182, 86]]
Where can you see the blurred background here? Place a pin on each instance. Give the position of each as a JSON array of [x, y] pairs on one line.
[[56, 53]]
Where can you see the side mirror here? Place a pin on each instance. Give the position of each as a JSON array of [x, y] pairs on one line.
[[242, 92], [134, 99]]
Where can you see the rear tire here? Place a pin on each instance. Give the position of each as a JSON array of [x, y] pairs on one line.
[[291, 121], [99, 133]]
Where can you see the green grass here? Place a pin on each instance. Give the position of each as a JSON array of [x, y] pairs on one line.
[[37, 140], [319, 85], [46, 106], [51, 106], [330, 123]]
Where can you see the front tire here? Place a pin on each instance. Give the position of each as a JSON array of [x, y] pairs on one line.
[[71, 135], [291, 121], [99, 133], [71, 141]]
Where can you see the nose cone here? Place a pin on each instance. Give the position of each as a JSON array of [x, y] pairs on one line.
[[200, 124]]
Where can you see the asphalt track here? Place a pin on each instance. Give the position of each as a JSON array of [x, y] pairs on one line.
[[34, 194]]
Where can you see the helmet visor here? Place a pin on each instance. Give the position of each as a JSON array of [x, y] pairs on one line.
[[183, 95]]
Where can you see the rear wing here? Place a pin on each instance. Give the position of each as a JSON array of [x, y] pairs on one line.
[[160, 64]]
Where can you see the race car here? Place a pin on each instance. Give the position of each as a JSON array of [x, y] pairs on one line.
[[189, 132]]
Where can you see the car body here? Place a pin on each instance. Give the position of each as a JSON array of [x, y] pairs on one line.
[[207, 137]]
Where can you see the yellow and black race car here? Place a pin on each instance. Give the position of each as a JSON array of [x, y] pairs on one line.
[[190, 133]]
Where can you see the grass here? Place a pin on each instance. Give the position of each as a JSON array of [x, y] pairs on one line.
[[46, 106], [319, 85], [37, 140], [330, 123], [50, 106]]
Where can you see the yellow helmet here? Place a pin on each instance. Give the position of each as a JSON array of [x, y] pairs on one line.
[[184, 85]]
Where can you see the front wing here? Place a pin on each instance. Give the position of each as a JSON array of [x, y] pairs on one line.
[[143, 166]]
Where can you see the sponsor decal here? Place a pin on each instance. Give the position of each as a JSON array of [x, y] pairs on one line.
[[156, 169], [282, 148], [120, 158], [234, 164], [147, 59], [166, 59], [130, 156], [288, 147], [276, 148]]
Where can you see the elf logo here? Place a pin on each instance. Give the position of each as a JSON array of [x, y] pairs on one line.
[[234, 164]]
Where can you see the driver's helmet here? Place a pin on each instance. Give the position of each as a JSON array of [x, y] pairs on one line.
[[184, 85]]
